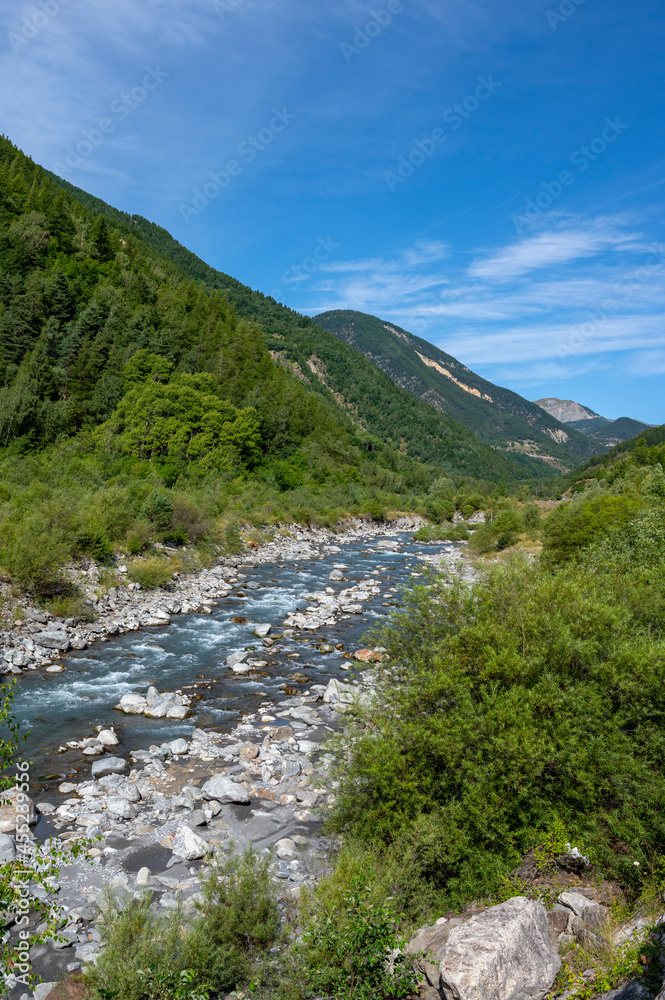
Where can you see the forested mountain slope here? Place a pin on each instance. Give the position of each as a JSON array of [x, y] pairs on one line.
[[498, 416], [348, 381]]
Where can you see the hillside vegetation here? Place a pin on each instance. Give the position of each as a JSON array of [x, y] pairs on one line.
[[344, 377], [139, 400], [498, 416]]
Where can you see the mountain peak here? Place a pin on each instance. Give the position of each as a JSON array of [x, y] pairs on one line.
[[565, 410]]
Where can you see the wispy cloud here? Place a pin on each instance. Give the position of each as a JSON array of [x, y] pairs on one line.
[[555, 305]]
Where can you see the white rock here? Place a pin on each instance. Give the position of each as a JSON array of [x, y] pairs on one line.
[[132, 704], [7, 849], [575, 901], [262, 630], [221, 788], [16, 806], [143, 876], [108, 765], [189, 845], [42, 990], [118, 806], [107, 738], [504, 953], [237, 657]]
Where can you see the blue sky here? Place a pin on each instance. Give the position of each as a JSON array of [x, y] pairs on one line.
[[488, 175]]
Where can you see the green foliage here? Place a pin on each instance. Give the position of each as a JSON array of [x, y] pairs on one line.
[[152, 573], [531, 698], [33, 551], [578, 523], [158, 509], [238, 921], [146, 955], [347, 948]]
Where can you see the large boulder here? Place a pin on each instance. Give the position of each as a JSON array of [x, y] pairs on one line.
[[222, 789], [53, 639], [504, 953]]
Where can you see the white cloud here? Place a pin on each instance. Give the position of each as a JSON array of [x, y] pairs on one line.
[[548, 249], [601, 293]]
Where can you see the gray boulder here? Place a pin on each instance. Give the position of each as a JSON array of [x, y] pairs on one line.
[[504, 953], [108, 765], [119, 806], [222, 789], [55, 639]]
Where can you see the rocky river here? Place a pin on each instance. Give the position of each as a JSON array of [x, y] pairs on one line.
[[187, 720]]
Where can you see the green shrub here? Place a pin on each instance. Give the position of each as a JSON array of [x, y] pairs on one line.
[[505, 539], [148, 956], [237, 923], [347, 946], [528, 698], [158, 509], [152, 573], [33, 552], [482, 540], [578, 523]]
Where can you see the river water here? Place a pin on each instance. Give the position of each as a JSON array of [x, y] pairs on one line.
[[190, 654]]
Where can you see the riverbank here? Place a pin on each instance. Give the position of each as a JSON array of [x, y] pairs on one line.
[[163, 811], [39, 639]]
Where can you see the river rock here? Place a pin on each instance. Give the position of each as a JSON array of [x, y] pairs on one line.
[[336, 576], [188, 845], [107, 738], [7, 849], [504, 953], [108, 765], [132, 704], [15, 805], [53, 639], [262, 630], [42, 990], [224, 790], [118, 806], [237, 657]]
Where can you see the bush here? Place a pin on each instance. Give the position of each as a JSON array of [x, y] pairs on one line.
[[152, 573], [148, 956], [531, 697], [33, 552], [348, 945], [158, 509], [505, 539]]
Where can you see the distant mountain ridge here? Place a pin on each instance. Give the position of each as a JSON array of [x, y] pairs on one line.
[[607, 433], [565, 410], [498, 416]]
